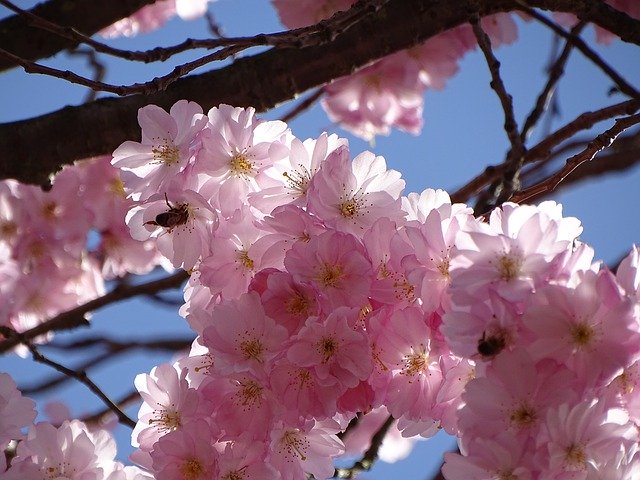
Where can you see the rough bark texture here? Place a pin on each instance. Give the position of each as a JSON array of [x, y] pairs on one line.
[[33, 149], [20, 37]]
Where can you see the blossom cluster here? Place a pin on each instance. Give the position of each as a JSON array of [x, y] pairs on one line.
[[390, 92], [319, 293], [70, 450], [58, 247]]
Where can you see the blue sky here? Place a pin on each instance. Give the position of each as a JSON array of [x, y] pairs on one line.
[[462, 134]]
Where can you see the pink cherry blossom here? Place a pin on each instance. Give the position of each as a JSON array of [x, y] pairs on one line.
[[242, 337], [301, 392], [579, 435], [335, 265], [186, 454], [351, 196], [387, 247], [239, 250], [16, 411], [375, 98], [514, 396], [337, 353], [594, 336], [488, 458], [182, 221], [169, 405], [404, 347], [296, 450], [429, 265], [244, 405], [69, 451], [168, 145], [245, 460], [293, 174], [237, 149], [289, 303], [513, 253]]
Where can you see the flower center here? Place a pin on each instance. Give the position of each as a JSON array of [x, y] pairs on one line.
[[582, 334], [330, 275], [250, 393], [241, 165], [415, 363], [166, 153], [523, 416], [298, 181], [252, 349], [327, 347], [443, 268], [349, 208], [166, 420], [508, 267], [298, 305], [245, 260], [575, 456], [191, 469], [294, 444]]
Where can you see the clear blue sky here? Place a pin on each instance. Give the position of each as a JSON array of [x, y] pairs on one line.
[[462, 134]]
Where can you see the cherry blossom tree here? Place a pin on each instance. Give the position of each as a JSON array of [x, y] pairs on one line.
[[334, 318]]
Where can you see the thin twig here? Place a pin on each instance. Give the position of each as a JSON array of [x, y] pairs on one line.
[[584, 121], [371, 455], [510, 124], [296, 38], [303, 105], [598, 144], [620, 82], [158, 84], [131, 397], [515, 157], [99, 70], [81, 376], [113, 349], [555, 72], [543, 149], [76, 317]]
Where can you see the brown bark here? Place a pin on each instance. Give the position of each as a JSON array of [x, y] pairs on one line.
[[33, 149]]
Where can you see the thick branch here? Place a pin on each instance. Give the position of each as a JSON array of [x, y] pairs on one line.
[[33, 149], [19, 36]]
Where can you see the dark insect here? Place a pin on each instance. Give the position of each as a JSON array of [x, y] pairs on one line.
[[176, 215], [491, 346]]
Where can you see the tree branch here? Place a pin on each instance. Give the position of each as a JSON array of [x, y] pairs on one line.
[[543, 149], [20, 35], [81, 376], [32, 150], [555, 71], [370, 456], [598, 144], [112, 348], [588, 52], [76, 317]]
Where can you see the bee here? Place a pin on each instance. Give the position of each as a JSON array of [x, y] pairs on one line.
[[175, 216], [491, 346]]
